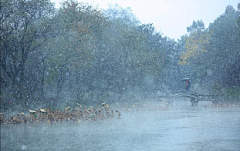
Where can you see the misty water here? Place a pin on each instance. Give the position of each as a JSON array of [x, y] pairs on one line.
[[180, 127]]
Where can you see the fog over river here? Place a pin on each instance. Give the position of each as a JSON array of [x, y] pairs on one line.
[[179, 127]]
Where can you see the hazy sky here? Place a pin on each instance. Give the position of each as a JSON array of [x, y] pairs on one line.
[[170, 17]]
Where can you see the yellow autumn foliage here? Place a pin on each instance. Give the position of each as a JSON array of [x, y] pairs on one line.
[[195, 44]]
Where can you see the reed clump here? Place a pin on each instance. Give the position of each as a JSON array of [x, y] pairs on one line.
[[78, 114]]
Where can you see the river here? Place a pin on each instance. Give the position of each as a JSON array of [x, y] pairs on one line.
[[179, 128]]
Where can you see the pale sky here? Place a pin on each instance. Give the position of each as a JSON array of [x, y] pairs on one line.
[[170, 17]]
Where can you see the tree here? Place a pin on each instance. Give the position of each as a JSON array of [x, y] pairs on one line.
[[75, 48], [224, 44], [25, 27], [196, 42], [196, 26], [238, 21], [213, 54]]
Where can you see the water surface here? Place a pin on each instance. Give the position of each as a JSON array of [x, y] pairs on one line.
[[178, 128]]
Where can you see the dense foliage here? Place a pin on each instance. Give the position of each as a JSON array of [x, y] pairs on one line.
[[79, 53], [213, 54]]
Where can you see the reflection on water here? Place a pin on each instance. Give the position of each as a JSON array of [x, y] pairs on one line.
[[178, 128]]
